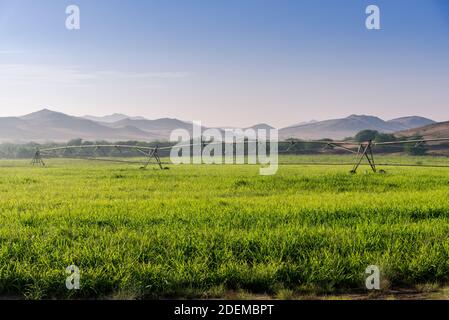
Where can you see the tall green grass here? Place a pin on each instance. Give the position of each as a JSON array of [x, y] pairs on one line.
[[200, 231]]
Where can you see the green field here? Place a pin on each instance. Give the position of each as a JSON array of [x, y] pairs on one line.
[[206, 231]]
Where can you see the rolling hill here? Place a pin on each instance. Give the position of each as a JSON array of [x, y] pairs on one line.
[[350, 126], [159, 127], [411, 122], [46, 126], [51, 126], [433, 131], [111, 118], [260, 126]]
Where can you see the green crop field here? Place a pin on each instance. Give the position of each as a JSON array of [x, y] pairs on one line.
[[205, 231]]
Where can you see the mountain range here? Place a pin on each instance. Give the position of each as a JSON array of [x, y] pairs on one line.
[[46, 125], [112, 118], [348, 127]]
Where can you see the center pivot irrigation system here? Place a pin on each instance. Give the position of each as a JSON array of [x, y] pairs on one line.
[[361, 150]]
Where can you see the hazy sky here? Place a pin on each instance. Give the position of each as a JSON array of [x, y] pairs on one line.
[[226, 62]]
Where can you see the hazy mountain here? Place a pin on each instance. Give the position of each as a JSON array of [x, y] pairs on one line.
[[159, 127], [12, 128], [151, 125], [235, 131], [111, 118], [411, 122], [303, 123], [432, 131], [261, 126], [350, 126], [47, 125]]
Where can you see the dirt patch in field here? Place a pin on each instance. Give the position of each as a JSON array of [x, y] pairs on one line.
[[405, 294]]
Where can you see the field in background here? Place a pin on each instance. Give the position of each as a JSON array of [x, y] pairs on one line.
[[205, 231]]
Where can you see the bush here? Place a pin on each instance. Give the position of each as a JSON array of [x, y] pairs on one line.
[[414, 150], [366, 135]]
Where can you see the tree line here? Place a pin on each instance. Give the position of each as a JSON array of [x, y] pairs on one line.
[[290, 146]]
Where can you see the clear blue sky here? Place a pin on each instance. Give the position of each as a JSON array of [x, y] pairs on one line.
[[226, 62]]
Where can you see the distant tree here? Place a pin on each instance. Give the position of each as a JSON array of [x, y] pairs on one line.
[[414, 150], [384, 137], [24, 152], [308, 147], [366, 135], [75, 142]]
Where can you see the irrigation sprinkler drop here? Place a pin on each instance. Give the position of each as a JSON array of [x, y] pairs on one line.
[[365, 151], [153, 154], [37, 159]]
